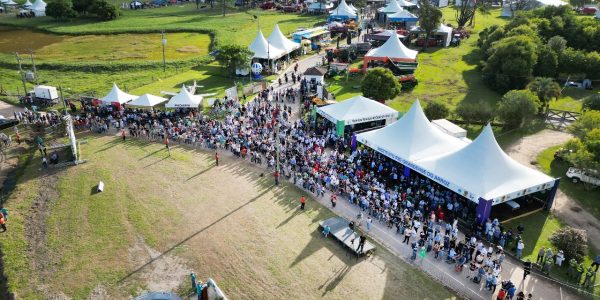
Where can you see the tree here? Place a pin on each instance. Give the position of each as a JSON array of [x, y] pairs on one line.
[[436, 110], [380, 84], [429, 19], [104, 10], [573, 242], [547, 62], [233, 56], [577, 3], [588, 121], [465, 12], [517, 106], [60, 9], [510, 64], [474, 112], [591, 102], [557, 43], [83, 6], [546, 89]]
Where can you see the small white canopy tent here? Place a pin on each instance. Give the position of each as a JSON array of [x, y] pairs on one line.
[[342, 11], [278, 40], [39, 8], [27, 4], [147, 100], [483, 170], [116, 95], [443, 30], [411, 139], [262, 48], [391, 7], [356, 110], [404, 16], [184, 99]]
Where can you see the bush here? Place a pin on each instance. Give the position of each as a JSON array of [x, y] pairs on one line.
[[474, 112], [573, 242], [380, 84], [436, 110], [516, 107], [510, 63], [104, 10], [591, 102], [60, 10]]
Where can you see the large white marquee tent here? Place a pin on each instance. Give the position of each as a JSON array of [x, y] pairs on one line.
[[278, 40], [479, 171], [392, 7], [147, 100], [263, 49], [39, 8]]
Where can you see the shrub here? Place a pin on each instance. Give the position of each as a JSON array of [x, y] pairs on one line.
[[591, 102], [60, 10], [474, 112], [436, 110], [573, 242], [380, 84], [516, 107]]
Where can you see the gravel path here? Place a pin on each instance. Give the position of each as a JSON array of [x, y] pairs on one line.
[[526, 151]]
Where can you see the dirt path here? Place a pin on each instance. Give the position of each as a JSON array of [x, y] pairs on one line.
[[7, 109], [526, 150]]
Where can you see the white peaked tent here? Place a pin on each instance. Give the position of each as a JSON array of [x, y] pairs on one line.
[[352, 7], [184, 99], [391, 7], [411, 139], [403, 16], [147, 100], [27, 4], [343, 11], [39, 8], [356, 110], [404, 3], [447, 31], [392, 49], [116, 95], [262, 48], [10, 2], [483, 170], [278, 40]]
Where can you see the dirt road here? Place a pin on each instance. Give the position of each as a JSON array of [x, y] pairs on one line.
[[7, 109], [526, 151]]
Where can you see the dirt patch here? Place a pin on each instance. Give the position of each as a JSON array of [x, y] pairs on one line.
[[99, 293], [526, 150], [41, 259], [155, 271]]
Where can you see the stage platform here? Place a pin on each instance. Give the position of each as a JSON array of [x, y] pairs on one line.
[[343, 233]]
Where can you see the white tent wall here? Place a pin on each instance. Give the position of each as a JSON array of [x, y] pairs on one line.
[[357, 110]]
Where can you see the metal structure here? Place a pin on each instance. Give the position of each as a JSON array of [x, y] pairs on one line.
[[560, 119]]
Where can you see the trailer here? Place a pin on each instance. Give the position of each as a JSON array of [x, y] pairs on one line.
[[45, 92]]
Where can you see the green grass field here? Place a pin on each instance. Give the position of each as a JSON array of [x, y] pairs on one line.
[[223, 222]]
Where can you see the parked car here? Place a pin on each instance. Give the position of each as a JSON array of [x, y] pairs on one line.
[[590, 10], [585, 176], [268, 5]]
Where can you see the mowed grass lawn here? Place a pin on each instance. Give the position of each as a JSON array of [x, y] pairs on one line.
[[223, 222]]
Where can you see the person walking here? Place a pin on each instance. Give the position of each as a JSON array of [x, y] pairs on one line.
[[520, 247], [217, 159], [276, 175], [302, 202], [44, 162], [526, 268], [333, 200], [4, 212], [407, 230], [422, 254], [369, 222], [123, 134], [167, 145]]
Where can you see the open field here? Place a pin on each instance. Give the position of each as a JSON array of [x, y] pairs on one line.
[[161, 217], [121, 47]]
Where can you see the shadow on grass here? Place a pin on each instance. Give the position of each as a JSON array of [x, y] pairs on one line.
[[584, 196], [534, 225]]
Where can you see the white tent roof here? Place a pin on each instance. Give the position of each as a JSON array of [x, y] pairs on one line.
[[447, 30], [357, 109], [343, 10], [410, 139], [404, 3], [10, 2], [391, 7], [278, 40], [482, 169], [117, 95], [393, 48], [184, 99], [262, 49], [352, 7], [147, 100], [39, 5], [27, 4], [403, 14]]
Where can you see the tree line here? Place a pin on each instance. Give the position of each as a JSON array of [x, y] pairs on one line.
[[64, 9]]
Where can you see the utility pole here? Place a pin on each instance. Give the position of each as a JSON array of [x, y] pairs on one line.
[[164, 43], [224, 6], [21, 74], [35, 76], [62, 98]]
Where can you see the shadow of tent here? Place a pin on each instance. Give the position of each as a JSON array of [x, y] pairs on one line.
[[318, 241]]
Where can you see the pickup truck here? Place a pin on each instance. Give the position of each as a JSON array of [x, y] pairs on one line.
[[585, 176]]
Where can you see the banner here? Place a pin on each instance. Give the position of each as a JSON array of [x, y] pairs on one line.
[[339, 128], [232, 93]]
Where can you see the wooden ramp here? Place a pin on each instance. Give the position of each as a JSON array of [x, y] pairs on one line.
[[343, 233]]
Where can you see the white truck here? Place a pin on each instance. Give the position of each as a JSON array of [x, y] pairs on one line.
[[44, 92], [585, 176]]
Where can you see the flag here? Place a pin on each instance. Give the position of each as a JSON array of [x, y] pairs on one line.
[[353, 142]]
